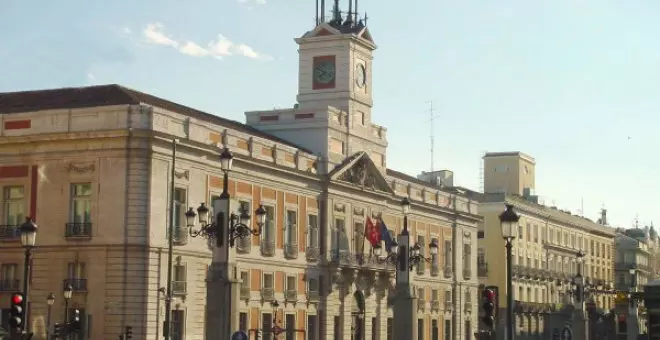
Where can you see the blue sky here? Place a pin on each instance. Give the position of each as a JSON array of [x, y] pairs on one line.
[[573, 83]]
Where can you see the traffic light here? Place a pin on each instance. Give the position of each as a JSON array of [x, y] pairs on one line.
[[57, 330], [490, 303], [17, 310], [129, 333], [75, 320]]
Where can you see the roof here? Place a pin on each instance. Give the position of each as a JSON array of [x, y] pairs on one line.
[[113, 94]]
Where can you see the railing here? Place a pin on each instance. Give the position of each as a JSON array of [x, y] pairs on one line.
[[312, 254], [535, 307], [435, 269], [180, 236], [449, 305], [245, 293], [9, 285], [268, 248], [467, 273], [244, 245], [356, 260], [291, 295], [267, 294], [421, 304], [179, 287], [9, 233], [313, 296], [627, 266], [78, 285], [291, 251], [435, 305], [78, 230], [447, 271], [482, 270]]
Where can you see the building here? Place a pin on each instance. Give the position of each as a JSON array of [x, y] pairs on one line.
[[93, 166], [544, 250], [634, 257]]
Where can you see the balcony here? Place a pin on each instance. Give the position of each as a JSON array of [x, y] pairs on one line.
[[179, 287], [291, 251], [7, 285], [78, 230], [447, 271], [244, 245], [180, 236], [448, 305], [267, 294], [482, 270], [268, 248], [313, 296], [435, 269], [245, 293], [435, 305], [421, 304], [312, 254], [343, 258], [291, 295], [78, 285], [9, 233], [467, 273]]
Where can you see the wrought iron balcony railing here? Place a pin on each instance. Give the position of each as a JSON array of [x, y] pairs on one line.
[[435, 269], [267, 294], [180, 236], [9, 233], [78, 285], [291, 251], [78, 230], [7, 285], [421, 304], [342, 258], [313, 296], [244, 245], [245, 292], [268, 248], [291, 295], [179, 287], [449, 305], [435, 305], [482, 270], [312, 254], [447, 271]]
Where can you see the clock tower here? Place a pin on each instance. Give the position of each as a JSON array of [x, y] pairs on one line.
[[332, 117]]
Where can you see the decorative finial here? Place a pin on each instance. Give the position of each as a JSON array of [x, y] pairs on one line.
[[366, 17], [337, 14]]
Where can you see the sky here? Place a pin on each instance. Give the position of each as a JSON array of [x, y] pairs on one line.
[[574, 83]]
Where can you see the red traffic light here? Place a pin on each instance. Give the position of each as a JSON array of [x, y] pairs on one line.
[[17, 299], [489, 294]]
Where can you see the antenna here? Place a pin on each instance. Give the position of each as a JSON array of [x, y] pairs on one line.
[[356, 11], [366, 17], [317, 12], [482, 185], [432, 136], [636, 221], [582, 207]]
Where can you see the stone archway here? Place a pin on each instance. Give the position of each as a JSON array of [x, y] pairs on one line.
[[357, 316]]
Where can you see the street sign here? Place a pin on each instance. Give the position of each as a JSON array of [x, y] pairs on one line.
[[240, 335]]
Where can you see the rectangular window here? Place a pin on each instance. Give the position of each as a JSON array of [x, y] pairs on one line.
[[434, 330], [291, 282], [448, 253], [447, 329], [81, 203], [341, 237], [179, 201], [337, 328], [268, 280], [266, 325], [268, 233], [76, 270], [290, 326], [9, 276], [290, 228], [14, 208], [178, 325], [312, 231], [179, 278], [243, 322], [421, 266], [374, 328], [245, 279], [420, 329], [468, 330], [358, 237], [312, 334]]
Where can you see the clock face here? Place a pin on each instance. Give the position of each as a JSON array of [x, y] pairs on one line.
[[360, 75], [324, 72]]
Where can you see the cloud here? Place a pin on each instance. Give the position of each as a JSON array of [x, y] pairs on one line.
[[155, 35], [218, 48]]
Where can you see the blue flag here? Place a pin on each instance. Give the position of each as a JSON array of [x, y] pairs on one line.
[[385, 235]]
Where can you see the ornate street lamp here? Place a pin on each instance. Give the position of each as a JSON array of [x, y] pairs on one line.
[[238, 224], [68, 293], [509, 222], [28, 239]]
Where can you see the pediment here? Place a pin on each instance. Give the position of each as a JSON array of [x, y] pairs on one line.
[[366, 35], [360, 170], [323, 29]]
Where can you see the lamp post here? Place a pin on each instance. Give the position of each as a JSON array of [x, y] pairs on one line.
[[50, 300], [225, 227], [580, 322], [274, 328], [509, 222], [633, 316], [405, 311], [28, 239], [68, 293]]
